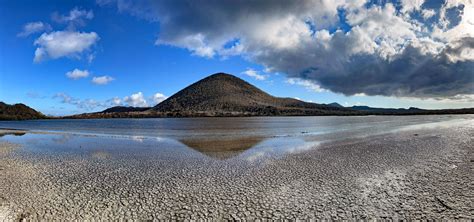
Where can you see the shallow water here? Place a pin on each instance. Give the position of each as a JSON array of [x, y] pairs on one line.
[[248, 139]]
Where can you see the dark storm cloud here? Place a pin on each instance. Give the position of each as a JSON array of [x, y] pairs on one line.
[[410, 74], [383, 52]]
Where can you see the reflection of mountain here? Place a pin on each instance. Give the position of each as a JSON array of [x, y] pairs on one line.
[[12, 132], [61, 139], [222, 148]]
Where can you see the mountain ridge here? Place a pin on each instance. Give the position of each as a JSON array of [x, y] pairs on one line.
[[18, 111], [224, 93]]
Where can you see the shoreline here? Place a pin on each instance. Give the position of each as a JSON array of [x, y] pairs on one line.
[[166, 116]]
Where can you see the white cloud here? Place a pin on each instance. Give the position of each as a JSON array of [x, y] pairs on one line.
[[411, 5], [75, 17], [158, 98], [136, 100], [63, 44], [254, 74], [379, 30], [196, 43], [90, 57], [77, 74], [34, 27], [428, 13], [305, 83], [360, 94], [116, 101], [102, 80], [86, 104]]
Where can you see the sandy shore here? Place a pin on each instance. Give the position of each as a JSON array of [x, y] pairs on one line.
[[413, 174]]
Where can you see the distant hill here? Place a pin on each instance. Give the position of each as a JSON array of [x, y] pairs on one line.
[[368, 108], [18, 112], [335, 105], [222, 94], [121, 109], [116, 112], [409, 111]]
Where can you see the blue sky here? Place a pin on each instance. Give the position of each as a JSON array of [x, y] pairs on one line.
[[126, 54]]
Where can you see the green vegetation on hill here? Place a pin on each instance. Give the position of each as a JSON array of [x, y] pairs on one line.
[[18, 112]]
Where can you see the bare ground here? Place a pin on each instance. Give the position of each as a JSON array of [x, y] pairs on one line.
[[418, 174]]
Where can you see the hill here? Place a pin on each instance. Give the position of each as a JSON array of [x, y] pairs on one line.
[[223, 94], [335, 105], [18, 112], [226, 95], [121, 109]]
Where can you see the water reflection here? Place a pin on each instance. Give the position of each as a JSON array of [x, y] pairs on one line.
[[236, 142], [250, 148], [62, 139], [221, 148], [100, 154], [12, 132], [278, 147], [138, 138], [103, 147]]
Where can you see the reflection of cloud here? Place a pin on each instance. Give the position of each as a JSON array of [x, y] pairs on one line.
[[436, 125], [138, 138], [303, 147], [159, 139], [100, 154], [64, 138], [255, 156], [278, 147]]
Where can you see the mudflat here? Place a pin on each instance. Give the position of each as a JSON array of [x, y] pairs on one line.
[[414, 173]]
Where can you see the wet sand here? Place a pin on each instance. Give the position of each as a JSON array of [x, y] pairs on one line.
[[410, 174]]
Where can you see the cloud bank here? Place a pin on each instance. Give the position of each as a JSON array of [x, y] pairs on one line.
[[86, 105], [421, 49]]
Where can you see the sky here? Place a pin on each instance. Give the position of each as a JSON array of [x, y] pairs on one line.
[[68, 57]]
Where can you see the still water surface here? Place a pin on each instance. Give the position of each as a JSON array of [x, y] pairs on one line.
[[216, 138]]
